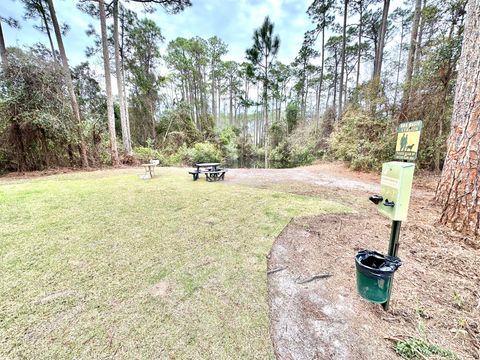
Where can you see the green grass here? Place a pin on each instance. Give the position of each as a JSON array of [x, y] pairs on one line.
[[103, 264]]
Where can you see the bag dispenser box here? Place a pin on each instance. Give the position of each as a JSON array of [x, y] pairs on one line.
[[395, 189]]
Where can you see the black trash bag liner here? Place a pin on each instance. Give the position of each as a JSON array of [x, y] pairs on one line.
[[374, 264]]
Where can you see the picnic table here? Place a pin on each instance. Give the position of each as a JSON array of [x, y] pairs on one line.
[[213, 171]]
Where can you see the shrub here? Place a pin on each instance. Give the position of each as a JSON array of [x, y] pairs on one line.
[[229, 143], [363, 140], [145, 154]]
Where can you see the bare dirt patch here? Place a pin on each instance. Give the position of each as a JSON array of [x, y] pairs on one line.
[[436, 294], [160, 289]]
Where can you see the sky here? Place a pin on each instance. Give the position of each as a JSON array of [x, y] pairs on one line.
[[232, 20]]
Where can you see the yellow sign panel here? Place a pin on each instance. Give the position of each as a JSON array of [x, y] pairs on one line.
[[408, 139]]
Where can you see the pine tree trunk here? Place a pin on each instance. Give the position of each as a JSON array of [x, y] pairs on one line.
[[411, 58], [214, 107], [3, 49], [47, 28], [108, 86], [398, 65], [360, 33], [127, 144], [381, 41], [344, 53], [321, 78], [68, 79], [118, 70], [418, 52], [458, 189]]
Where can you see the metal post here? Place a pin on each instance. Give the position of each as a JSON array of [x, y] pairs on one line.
[[392, 251]]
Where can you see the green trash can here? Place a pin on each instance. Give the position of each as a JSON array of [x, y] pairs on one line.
[[374, 275]]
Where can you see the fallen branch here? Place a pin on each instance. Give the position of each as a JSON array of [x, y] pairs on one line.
[[273, 271], [314, 277]]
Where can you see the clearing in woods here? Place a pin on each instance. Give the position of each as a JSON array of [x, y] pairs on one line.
[[103, 264]]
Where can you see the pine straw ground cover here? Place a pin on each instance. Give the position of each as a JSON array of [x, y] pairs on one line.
[[105, 265], [435, 312]]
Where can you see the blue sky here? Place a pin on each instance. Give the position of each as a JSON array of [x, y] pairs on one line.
[[232, 20]]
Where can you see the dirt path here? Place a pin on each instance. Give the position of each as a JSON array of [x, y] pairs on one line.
[[436, 297], [323, 175]]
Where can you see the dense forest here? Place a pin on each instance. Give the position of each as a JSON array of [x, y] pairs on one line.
[[363, 68]]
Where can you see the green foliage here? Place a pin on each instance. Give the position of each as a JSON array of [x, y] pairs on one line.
[[414, 348], [145, 154], [229, 141], [200, 152], [297, 149], [292, 115], [277, 133], [36, 127], [176, 127], [206, 152], [363, 140]]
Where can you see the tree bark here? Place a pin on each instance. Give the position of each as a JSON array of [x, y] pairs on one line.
[[108, 86], [47, 27], [127, 143], [321, 79], [411, 58], [3, 49], [398, 65], [381, 41], [418, 52], [68, 80], [458, 189], [344, 53], [359, 51]]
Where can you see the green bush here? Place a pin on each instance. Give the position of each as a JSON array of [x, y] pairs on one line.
[[145, 154], [363, 140], [206, 152], [229, 141], [200, 152]]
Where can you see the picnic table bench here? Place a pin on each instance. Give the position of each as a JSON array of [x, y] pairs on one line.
[[212, 173]]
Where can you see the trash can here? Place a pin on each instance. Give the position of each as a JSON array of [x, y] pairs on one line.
[[374, 274]]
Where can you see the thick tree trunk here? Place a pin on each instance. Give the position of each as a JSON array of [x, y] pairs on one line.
[[344, 53], [381, 41], [127, 143], [411, 58], [3, 49], [108, 86], [458, 189], [68, 80]]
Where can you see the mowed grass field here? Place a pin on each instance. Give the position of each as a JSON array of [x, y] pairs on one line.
[[106, 265]]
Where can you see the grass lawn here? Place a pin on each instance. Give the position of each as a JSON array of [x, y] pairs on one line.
[[104, 264]]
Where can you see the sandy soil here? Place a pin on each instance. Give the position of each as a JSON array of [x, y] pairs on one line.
[[436, 294]]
